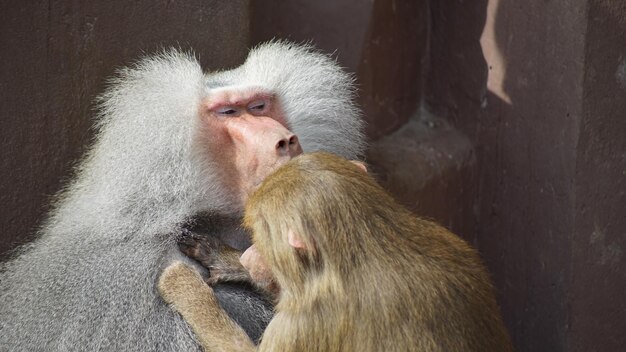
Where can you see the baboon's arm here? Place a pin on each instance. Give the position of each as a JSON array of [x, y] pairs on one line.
[[183, 288]]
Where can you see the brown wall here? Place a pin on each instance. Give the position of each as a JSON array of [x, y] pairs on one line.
[[597, 294], [54, 60], [550, 145], [382, 42], [526, 140]]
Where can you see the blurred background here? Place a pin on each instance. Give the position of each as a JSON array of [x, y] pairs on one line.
[[503, 120]]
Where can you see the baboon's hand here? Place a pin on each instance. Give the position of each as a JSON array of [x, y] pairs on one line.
[[221, 260], [182, 286], [204, 249]]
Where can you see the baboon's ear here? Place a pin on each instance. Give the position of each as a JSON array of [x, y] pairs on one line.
[[360, 164], [295, 241]]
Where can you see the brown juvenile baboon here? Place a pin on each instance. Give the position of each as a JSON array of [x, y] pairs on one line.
[[357, 272]]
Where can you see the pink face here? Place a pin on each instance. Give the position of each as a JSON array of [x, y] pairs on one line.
[[249, 133]]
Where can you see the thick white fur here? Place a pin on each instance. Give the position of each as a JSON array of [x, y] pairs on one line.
[[88, 282]]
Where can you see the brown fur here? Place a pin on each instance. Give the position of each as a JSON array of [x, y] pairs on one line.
[[374, 277], [186, 290]]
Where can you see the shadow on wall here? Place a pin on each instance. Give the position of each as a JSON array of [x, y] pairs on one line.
[[522, 110], [549, 143], [524, 152]]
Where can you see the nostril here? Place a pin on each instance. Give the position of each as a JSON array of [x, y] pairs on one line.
[[293, 140], [282, 144]]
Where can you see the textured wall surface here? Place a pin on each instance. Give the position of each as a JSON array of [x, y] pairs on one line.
[[382, 42], [526, 142], [55, 58], [550, 145], [538, 88], [597, 294]]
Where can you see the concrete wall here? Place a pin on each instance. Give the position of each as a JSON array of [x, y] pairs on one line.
[[526, 140], [382, 42], [550, 146], [55, 58], [597, 294]]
